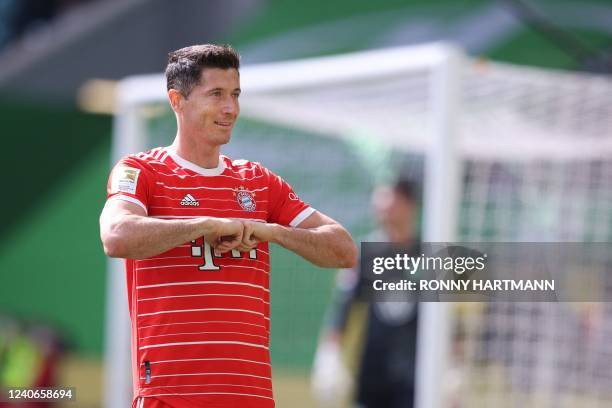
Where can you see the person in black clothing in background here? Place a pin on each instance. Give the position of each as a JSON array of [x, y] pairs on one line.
[[386, 373]]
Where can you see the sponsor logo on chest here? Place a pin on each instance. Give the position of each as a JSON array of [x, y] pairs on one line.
[[189, 201]]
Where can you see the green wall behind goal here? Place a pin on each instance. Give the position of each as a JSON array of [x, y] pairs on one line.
[[51, 262]]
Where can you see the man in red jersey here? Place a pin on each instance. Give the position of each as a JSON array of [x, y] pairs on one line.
[[194, 228]]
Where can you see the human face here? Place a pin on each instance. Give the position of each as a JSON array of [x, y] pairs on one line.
[[395, 214], [212, 107]]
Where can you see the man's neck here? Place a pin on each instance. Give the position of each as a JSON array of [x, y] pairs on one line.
[[202, 154]]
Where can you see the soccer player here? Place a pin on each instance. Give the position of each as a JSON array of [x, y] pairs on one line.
[[194, 228], [387, 364]]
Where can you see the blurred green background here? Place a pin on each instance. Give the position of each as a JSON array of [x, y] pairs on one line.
[[58, 156]]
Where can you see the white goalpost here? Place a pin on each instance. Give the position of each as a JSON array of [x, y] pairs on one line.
[[502, 148]]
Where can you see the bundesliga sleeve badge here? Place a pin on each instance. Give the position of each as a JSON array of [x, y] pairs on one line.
[[245, 198], [125, 180]]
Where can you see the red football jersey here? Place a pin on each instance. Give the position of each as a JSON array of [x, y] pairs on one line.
[[201, 322]]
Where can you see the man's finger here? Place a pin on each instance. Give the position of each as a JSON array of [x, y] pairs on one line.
[[233, 242], [221, 249], [243, 248], [247, 233]]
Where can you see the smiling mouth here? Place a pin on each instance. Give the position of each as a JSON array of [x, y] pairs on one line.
[[223, 124]]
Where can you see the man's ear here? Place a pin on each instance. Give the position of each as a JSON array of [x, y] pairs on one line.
[[175, 98]]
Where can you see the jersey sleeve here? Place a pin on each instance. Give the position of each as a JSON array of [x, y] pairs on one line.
[[130, 181], [285, 207]]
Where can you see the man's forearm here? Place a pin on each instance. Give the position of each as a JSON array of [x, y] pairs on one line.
[[137, 237], [327, 246]]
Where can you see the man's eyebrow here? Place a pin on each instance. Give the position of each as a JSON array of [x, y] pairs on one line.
[[222, 89]]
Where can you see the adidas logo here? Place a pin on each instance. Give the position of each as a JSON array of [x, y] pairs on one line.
[[189, 200]]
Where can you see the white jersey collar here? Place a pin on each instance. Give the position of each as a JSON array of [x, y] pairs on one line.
[[194, 167]]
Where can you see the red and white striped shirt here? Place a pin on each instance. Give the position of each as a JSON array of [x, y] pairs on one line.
[[201, 323]]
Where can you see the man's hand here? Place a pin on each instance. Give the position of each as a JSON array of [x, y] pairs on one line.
[[330, 381], [225, 234], [254, 233], [319, 239]]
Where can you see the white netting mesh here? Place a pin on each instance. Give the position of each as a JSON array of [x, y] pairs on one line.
[[553, 184], [390, 109], [536, 151]]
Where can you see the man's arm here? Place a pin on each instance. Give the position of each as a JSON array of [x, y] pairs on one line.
[[318, 239], [330, 378], [345, 296], [127, 232]]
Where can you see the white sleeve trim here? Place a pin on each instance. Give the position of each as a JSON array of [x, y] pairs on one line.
[[130, 199], [301, 217]]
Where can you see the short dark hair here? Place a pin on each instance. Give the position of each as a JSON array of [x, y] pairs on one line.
[[185, 65], [407, 188]]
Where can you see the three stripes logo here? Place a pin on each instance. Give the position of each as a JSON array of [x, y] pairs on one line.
[[188, 200]]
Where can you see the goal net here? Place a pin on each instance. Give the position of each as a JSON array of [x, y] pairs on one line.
[[508, 153]]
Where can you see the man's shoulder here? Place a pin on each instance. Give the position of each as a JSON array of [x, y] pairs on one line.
[[149, 160], [243, 165]]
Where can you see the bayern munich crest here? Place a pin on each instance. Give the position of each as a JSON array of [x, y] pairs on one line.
[[245, 198]]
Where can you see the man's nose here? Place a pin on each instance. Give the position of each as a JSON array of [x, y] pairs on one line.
[[230, 107]]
